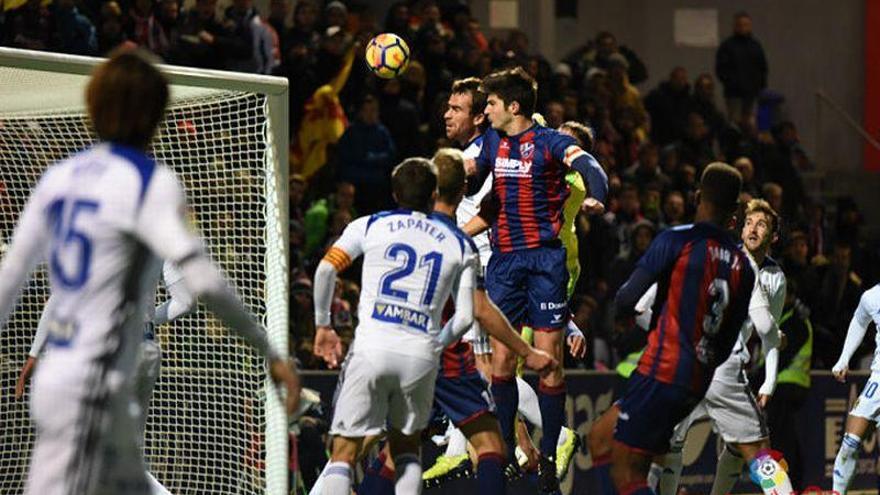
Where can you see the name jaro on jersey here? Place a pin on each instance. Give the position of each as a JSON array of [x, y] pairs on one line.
[[392, 313], [718, 253], [420, 224]]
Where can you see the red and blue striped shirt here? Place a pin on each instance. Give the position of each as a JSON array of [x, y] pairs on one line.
[[529, 186], [704, 286]]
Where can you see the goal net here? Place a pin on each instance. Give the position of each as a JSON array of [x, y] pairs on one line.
[[215, 424]]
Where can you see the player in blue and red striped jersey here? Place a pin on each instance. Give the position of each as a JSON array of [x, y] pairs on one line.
[[705, 284], [527, 276]]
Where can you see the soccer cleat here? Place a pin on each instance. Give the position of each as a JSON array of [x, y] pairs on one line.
[[547, 480], [447, 468], [565, 452], [513, 472]]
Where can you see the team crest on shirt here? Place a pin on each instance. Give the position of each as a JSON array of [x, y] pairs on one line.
[[526, 151]]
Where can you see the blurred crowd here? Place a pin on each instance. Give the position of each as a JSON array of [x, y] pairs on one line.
[[349, 128]]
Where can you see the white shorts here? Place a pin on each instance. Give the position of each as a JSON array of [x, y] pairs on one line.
[[379, 388], [734, 412], [149, 363], [86, 442], [868, 404]]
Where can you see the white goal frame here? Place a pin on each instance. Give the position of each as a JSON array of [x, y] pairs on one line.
[[276, 263]]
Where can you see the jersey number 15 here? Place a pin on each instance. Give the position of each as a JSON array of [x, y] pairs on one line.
[[66, 235]]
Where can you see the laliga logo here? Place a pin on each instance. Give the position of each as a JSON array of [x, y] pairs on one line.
[[526, 150]]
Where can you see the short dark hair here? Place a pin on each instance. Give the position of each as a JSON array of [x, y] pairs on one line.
[[720, 185], [413, 183], [513, 85], [126, 98], [582, 133], [471, 86], [741, 13], [451, 177]]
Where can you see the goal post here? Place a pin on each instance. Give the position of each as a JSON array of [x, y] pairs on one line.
[[216, 424]]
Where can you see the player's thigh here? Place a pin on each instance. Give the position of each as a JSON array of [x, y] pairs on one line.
[[679, 435], [503, 360], [505, 284], [346, 449], [547, 285], [601, 433], [464, 399], [56, 418], [649, 413], [735, 411], [867, 405], [412, 394], [628, 465], [122, 463], [361, 403], [484, 433]]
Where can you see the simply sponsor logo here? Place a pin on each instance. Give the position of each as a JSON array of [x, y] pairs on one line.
[[392, 313], [512, 167]]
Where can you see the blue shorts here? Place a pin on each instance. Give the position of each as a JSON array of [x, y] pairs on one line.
[[529, 286], [649, 413], [464, 398]]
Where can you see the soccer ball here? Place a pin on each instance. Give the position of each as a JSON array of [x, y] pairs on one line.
[[387, 55]]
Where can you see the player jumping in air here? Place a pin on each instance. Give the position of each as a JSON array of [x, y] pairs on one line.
[[103, 219], [526, 276]]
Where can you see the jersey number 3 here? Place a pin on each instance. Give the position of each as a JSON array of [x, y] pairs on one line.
[[66, 234], [399, 251]]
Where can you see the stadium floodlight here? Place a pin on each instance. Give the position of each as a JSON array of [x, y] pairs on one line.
[[215, 423]]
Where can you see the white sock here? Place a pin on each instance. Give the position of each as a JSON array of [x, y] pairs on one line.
[[528, 403], [156, 488], [457, 443], [727, 471], [318, 487], [337, 479], [845, 463], [767, 473], [654, 478], [409, 474]]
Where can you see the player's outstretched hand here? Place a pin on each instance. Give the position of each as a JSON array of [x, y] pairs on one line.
[[26, 371], [840, 373], [592, 206], [540, 361], [470, 166], [328, 346], [283, 372], [763, 400], [577, 345]]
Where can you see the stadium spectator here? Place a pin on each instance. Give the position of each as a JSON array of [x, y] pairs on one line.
[[242, 20], [647, 169], [111, 29], [745, 167], [366, 154], [279, 11], [164, 31], [839, 290], [741, 67], [597, 54], [401, 116], [137, 21], [625, 97], [76, 33], [320, 214], [773, 193], [673, 210], [703, 102], [30, 26], [305, 25], [668, 104], [696, 147], [204, 41]]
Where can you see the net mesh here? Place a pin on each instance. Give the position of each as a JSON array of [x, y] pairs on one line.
[[205, 430]]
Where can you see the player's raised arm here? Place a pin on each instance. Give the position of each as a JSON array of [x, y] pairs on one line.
[[584, 163], [162, 226], [339, 257], [464, 302], [660, 255], [854, 335]]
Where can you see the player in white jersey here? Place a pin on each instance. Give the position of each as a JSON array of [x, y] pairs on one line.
[[149, 359], [412, 263], [737, 415], [102, 219], [866, 411]]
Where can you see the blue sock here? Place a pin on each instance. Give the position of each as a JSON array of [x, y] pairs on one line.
[[602, 475], [490, 474], [506, 397], [378, 479], [552, 403]]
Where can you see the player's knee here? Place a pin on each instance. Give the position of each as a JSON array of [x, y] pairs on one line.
[[599, 441], [344, 450], [553, 380]]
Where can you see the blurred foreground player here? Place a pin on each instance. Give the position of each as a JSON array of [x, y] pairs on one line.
[[103, 219], [704, 285]]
